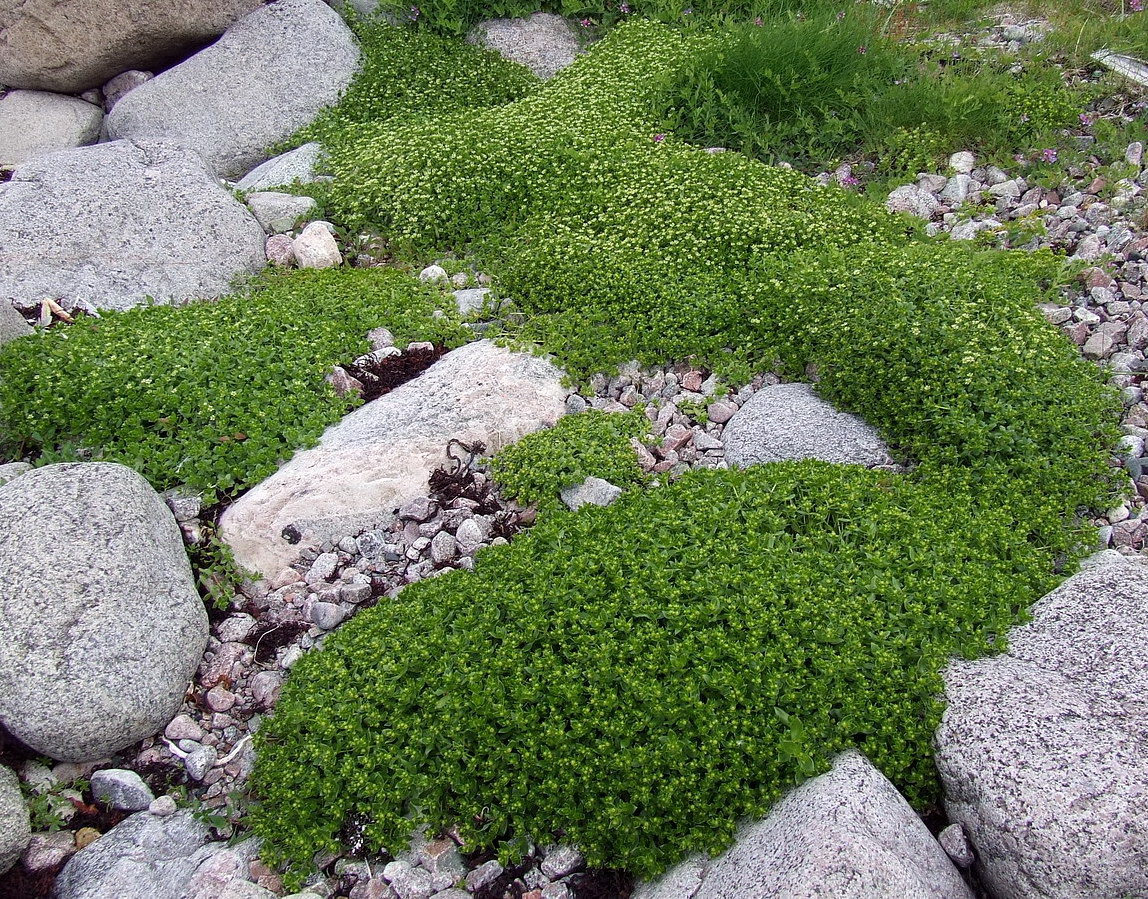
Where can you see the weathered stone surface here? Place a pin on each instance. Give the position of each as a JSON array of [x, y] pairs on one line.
[[154, 223], [545, 43], [71, 45], [33, 123], [12, 324], [847, 834], [297, 165], [278, 212], [381, 455], [789, 421], [913, 200], [1041, 750], [592, 491], [101, 627], [143, 857], [316, 247], [15, 826], [304, 55], [122, 789]]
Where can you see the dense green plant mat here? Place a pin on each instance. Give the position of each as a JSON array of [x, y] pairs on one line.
[[592, 444], [640, 677], [419, 74], [213, 395]]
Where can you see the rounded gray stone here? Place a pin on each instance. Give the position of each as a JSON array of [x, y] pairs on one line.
[[121, 789], [789, 422], [33, 123], [15, 825], [268, 76], [544, 42], [298, 165], [591, 492], [847, 834], [278, 212], [155, 223], [101, 627]]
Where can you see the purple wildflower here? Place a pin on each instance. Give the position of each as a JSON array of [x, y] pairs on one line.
[[862, 50], [624, 8], [658, 138], [585, 23], [757, 21], [1136, 5], [688, 11], [1087, 118], [1048, 155], [415, 13]]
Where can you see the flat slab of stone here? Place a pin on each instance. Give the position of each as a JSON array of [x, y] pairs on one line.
[[72, 45], [381, 455], [298, 165], [847, 834], [101, 626], [143, 857], [790, 421], [544, 42], [1041, 750], [33, 123], [267, 77], [1129, 66], [117, 223]]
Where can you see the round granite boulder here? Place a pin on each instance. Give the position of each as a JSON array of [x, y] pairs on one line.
[[790, 422], [101, 627]]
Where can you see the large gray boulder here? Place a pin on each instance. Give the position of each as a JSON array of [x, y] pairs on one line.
[[36, 122], [790, 421], [101, 627], [15, 825], [545, 43], [1041, 750], [117, 223], [847, 834], [381, 455], [268, 76], [142, 857], [69, 46], [12, 324]]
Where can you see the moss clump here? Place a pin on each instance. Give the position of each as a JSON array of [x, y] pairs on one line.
[[214, 395], [640, 677], [590, 444], [417, 74]]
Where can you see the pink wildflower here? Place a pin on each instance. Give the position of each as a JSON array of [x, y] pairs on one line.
[[658, 138], [757, 21], [1087, 118], [862, 50], [585, 23]]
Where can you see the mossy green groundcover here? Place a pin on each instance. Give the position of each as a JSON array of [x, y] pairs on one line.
[[212, 396], [637, 679]]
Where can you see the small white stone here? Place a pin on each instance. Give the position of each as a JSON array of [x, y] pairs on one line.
[[433, 273], [963, 162], [162, 806], [316, 247]]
